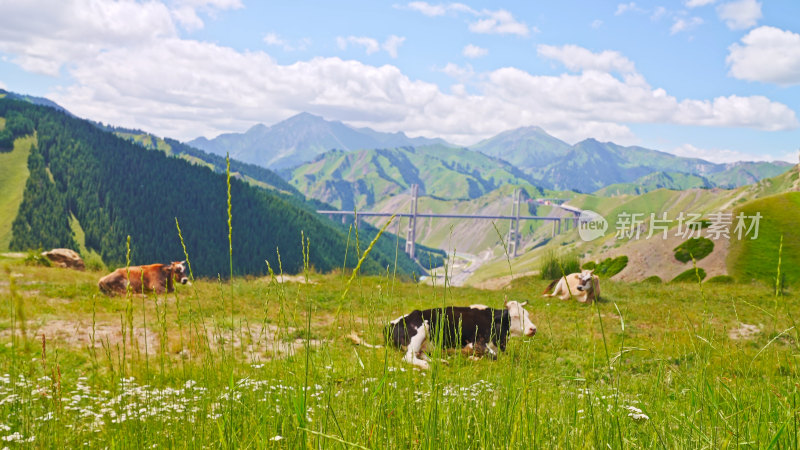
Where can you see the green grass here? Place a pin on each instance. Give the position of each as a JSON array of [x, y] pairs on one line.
[[13, 174], [91, 258], [208, 378], [553, 266], [757, 259]]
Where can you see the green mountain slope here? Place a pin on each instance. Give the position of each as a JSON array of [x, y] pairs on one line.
[[115, 188], [527, 148], [743, 173], [675, 181], [13, 174], [757, 259], [591, 165], [360, 178]]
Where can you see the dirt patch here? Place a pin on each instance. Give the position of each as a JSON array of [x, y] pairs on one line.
[[744, 332], [288, 279], [257, 342], [655, 256], [495, 284], [78, 334]]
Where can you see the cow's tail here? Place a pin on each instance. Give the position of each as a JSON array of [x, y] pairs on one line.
[[357, 340], [550, 286]]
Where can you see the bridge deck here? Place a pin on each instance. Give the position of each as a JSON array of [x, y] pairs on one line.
[[443, 216]]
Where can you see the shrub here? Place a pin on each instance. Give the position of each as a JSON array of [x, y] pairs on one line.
[[589, 265], [698, 247], [609, 267], [722, 279], [93, 262], [654, 279], [35, 258], [552, 265], [689, 276]]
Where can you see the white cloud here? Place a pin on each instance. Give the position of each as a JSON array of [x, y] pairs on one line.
[[428, 9], [211, 89], [370, 45], [392, 44], [44, 35], [622, 8], [473, 51], [115, 55], [597, 23], [185, 12], [722, 156], [577, 58], [462, 74], [488, 21], [766, 54], [275, 40], [658, 13], [696, 3], [3, 85], [498, 22], [740, 14], [680, 24]]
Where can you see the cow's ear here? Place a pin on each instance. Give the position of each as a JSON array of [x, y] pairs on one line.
[[505, 300]]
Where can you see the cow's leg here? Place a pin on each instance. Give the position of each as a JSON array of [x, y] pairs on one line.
[[555, 290], [492, 349], [415, 347], [565, 291], [560, 289]]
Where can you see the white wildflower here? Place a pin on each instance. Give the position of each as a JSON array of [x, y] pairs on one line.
[[276, 438]]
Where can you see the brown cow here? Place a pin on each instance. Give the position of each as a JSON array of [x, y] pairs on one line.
[[143, 279]]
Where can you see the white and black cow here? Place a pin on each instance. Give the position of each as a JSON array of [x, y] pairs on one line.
[[477, 328]]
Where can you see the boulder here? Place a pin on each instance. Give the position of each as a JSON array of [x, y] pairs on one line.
[[64, 257]]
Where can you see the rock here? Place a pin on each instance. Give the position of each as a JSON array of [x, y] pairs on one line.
[[64, 257]]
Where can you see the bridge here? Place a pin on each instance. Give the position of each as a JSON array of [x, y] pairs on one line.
[[515, 218]]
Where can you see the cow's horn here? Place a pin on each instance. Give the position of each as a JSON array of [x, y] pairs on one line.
[[523, 303]]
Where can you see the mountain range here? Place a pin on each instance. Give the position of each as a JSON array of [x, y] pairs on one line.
[[299, 139], [295, 146]]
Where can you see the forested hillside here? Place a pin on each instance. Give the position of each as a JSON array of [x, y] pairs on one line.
[[116, 188]]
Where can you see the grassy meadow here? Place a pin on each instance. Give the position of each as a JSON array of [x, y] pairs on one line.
[[260, 363]]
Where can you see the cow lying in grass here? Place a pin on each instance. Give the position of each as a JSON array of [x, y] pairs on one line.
[[584, 286], [475, 328], [156, 278]]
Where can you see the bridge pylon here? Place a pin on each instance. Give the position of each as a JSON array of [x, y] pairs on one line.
[[513, 230], [411, 232]]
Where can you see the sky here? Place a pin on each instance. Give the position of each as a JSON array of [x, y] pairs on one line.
[[715, 79]]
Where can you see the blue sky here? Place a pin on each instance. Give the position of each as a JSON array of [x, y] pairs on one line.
[[718, 79]]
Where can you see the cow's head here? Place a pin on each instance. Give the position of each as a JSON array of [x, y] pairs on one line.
[[520, 322], [585, 283], [179, 272]]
